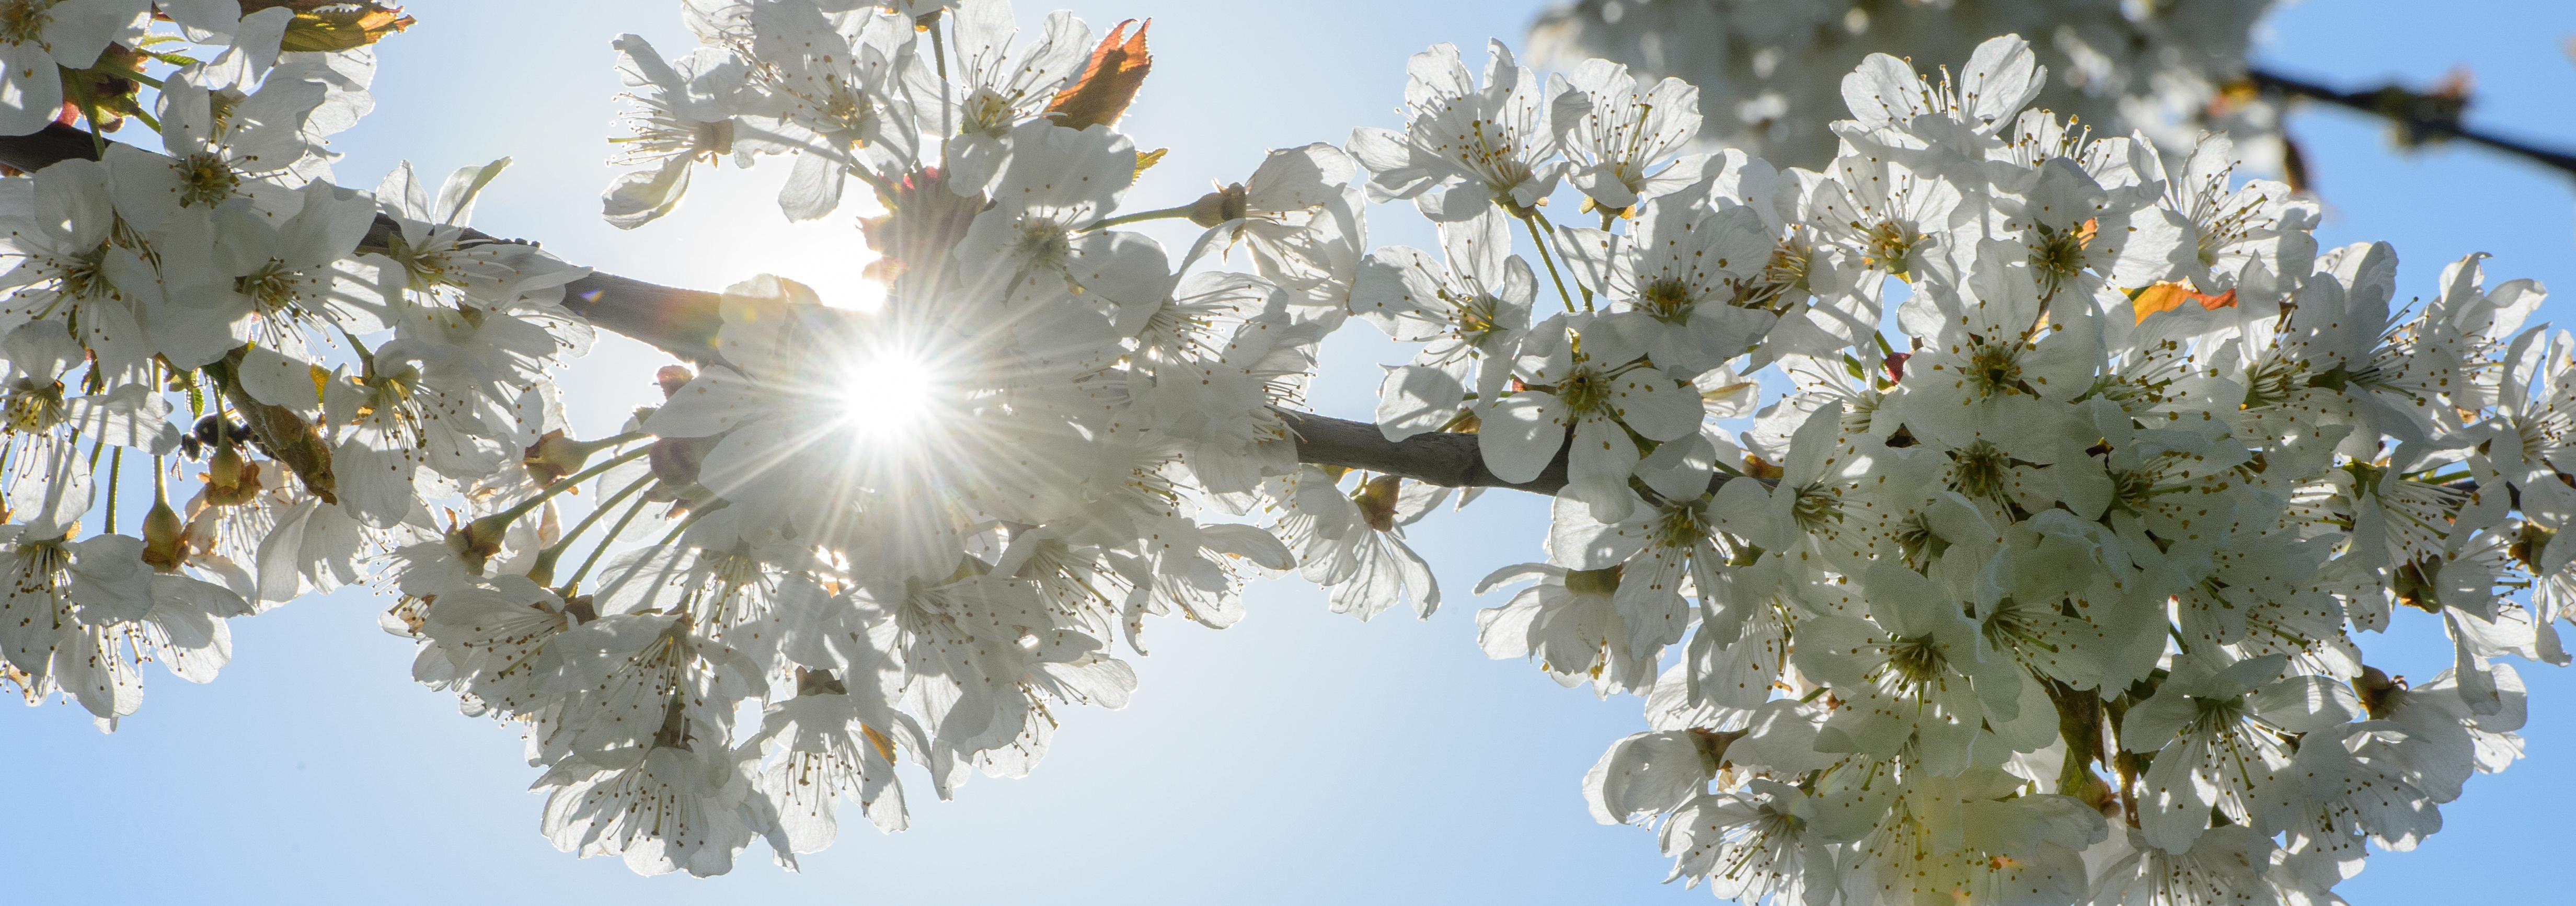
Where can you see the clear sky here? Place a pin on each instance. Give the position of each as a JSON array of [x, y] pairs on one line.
[[1300, 757]]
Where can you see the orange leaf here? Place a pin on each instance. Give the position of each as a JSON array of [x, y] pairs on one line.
[[2167, 296], [1108, 85]]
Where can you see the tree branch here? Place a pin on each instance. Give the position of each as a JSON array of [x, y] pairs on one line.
[[1450, 460], [2419, 117], [683, 322]]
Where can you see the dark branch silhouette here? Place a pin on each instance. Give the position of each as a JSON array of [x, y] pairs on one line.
[[2420, 117], [683, 322]]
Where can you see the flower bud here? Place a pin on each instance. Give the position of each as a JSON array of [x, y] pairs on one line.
[[554, 456], [672, 378], [1592, 581], [164, 537], [675, 459], [1221, 206], [1377, 498], [479, 541], [2377, 691], [231, 479]]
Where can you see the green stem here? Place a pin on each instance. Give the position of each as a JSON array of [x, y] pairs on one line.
[[1122, 219], [546, 558], [588, 447], [89, 111], [620, 528], [115, 470], [602, 547], [947, 111], [1531, 220], [505, 517]]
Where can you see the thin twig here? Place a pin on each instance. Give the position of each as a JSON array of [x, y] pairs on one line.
[[2419, 117]]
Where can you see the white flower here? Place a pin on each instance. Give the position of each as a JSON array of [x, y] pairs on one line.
[[252, 39], [489, 641], [993, 94], [400, 420], [683, 117], [1570, 622], [434, 258], [2327, 801], [1465, 147], [1039, 240], [1353, 544], [1647, 775], [2208, 234], [275, 281], [59, 227], [983, 659], [1921, 677], [1892, 219], [661, 807], [1752, 846], [1773, 72], [1595, 394], [38, 35], [83, 616], [2217, 734], [1622, 142], [221, 145], [834, 740], [1470, 314], [636, 679], [835, 99], [1661, 552], [1286, 213], [1688, 280], [2225, 867]]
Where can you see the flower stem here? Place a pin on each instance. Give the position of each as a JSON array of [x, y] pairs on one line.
[[115, 470], [947, 111], [1531, 220], [614, 530], [503, 518], [1122, 219], [546, 558]]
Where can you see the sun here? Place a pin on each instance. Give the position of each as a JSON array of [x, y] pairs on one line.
[[887, 397]]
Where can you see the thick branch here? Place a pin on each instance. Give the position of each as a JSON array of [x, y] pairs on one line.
[[2418, 116], [683, 323], [1450, 460], [678, 321]]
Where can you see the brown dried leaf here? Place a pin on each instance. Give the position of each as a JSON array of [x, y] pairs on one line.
[[1118, 67]]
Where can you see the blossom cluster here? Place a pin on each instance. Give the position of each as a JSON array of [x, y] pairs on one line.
[[916, 533], [1985, 516], [2045, 598], [317, 367], [1770, 73]]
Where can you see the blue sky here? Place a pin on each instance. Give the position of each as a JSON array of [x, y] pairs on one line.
[[1299, 757]]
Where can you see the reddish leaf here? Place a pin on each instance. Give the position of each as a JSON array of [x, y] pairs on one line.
[[2167, 296], [1108, 85]]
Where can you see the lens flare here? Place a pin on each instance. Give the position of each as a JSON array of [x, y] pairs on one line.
[[887, 398]]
